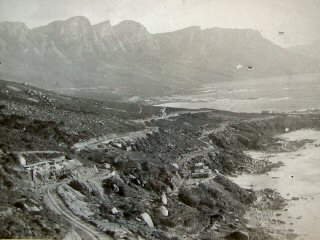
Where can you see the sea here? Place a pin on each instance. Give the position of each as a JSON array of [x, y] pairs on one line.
[[276, 94]]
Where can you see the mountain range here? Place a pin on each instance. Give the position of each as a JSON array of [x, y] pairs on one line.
[[127, 59]]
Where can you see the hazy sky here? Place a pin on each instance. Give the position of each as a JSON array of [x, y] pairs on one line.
[[298, 19]]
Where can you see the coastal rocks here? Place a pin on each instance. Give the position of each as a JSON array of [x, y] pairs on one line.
[[242, 195], [211, 196], [270, 199]]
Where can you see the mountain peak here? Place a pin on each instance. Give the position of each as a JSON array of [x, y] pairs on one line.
[[15, 27], [129, 26], [75, 27], [75, 24], [13, 32], [129, 22], [103, 27], [105, 23], [190, 29], [78, 20]]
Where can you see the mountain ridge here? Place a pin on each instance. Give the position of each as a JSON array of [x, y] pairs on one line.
[[127, 56]]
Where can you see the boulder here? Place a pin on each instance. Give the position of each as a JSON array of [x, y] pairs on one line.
[[217, 217], [115, 188], [175, 165], [86, 187], [33, 209], [237, 235], [146, 217], [114, 211], [22, 161], [164, 199], [163, 211]]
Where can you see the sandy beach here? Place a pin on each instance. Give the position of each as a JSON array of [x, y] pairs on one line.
[[297, 181]]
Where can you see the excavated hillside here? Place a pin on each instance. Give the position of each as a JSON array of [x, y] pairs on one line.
[[81, 169]]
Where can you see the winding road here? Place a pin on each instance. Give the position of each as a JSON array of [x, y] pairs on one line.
[[187, 159], [84, 229]]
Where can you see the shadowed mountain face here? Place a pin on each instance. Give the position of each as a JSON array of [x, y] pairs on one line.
[[74, 53], [312, 49]]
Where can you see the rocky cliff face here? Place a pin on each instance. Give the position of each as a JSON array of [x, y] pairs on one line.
[[74, 52], [108, 37], [74, 37]]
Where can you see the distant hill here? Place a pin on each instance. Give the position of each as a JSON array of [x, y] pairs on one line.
[[126, 59], [311, 49]]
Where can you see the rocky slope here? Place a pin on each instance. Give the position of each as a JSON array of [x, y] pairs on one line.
[[130, 60], [129, 186]]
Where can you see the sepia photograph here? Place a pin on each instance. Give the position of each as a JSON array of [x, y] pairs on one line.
[[160, 119]]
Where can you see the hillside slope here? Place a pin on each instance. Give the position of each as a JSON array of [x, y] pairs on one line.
[[76, 167]]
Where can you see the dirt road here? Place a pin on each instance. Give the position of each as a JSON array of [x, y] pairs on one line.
[[84, 229]]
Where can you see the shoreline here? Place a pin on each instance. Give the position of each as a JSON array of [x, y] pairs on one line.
[[293, 220]]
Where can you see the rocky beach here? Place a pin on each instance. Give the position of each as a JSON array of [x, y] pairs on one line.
[[295, 180]]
